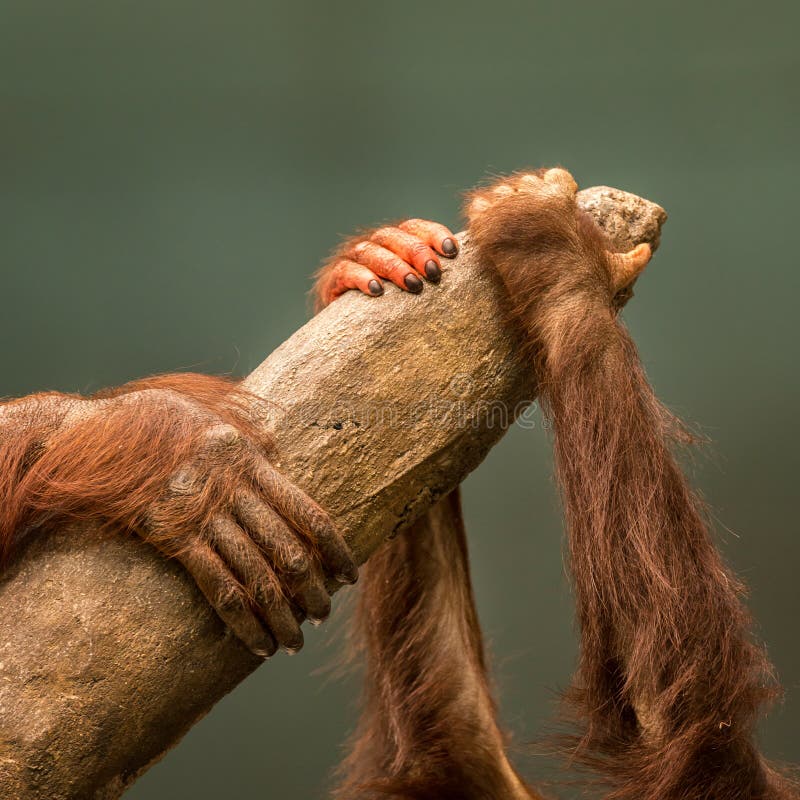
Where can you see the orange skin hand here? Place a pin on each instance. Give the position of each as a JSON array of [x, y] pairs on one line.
[[406, 255], [436, 235]]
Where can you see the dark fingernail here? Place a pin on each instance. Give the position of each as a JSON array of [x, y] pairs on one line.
[[294, 646], [449, 247], [432, 271], [350, 575], [413, 283], [267, 647], [319, 605], [319, 618], [375, 288]]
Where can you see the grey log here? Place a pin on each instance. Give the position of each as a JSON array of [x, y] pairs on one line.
[[109, 654]]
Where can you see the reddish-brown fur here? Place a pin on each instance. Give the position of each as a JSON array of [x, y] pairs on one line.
[[179, 460], [112, 465], [428, 728], [670, 682]]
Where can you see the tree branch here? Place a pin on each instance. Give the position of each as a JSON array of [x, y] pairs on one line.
[[109, 654]]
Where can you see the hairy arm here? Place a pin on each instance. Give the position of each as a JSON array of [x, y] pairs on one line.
[[670, 680], [178, 461]]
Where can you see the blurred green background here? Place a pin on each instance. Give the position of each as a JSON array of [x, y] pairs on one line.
[[172, 172]]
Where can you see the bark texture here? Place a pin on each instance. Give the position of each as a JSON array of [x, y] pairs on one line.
[[109, 654]]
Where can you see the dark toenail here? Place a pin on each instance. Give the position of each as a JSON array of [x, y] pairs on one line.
[[375, 288], [449, 247], [349, 575], [413, 283], [432, 271]]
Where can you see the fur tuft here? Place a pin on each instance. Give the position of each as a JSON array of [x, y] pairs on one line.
[[108, 458]]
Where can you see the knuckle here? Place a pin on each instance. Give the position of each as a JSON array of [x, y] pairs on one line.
[[297, 564], [185, 481], [479, 204], [385, 232], [561, 178], [223, 434], [536, 185], [229, 598], [218, 527], [317, 516], [397, 269], [503, 190], [248, 504], [420, 248], [322, 526], [266, 594]]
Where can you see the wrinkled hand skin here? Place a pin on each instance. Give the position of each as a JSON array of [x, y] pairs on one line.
[[262, 558], [191, 476], [407, 254]]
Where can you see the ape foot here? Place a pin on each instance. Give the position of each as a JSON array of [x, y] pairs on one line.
[[406, 255]]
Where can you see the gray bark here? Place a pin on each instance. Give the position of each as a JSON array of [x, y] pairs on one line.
[[109, 654]]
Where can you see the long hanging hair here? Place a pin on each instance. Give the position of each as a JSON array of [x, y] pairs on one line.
[[670, 682]]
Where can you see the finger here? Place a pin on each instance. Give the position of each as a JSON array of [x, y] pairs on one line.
[[304, 515], [562, 179], [186, 481], [411, 249], [311, 596], [244, 558], [288, 555], [290, 559], [387, 265], [437, 236], [346, 274], [477, 204], [272, 535], [227, 598]]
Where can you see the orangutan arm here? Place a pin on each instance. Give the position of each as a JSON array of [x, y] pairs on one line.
[[177, 460], [670, 679]]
